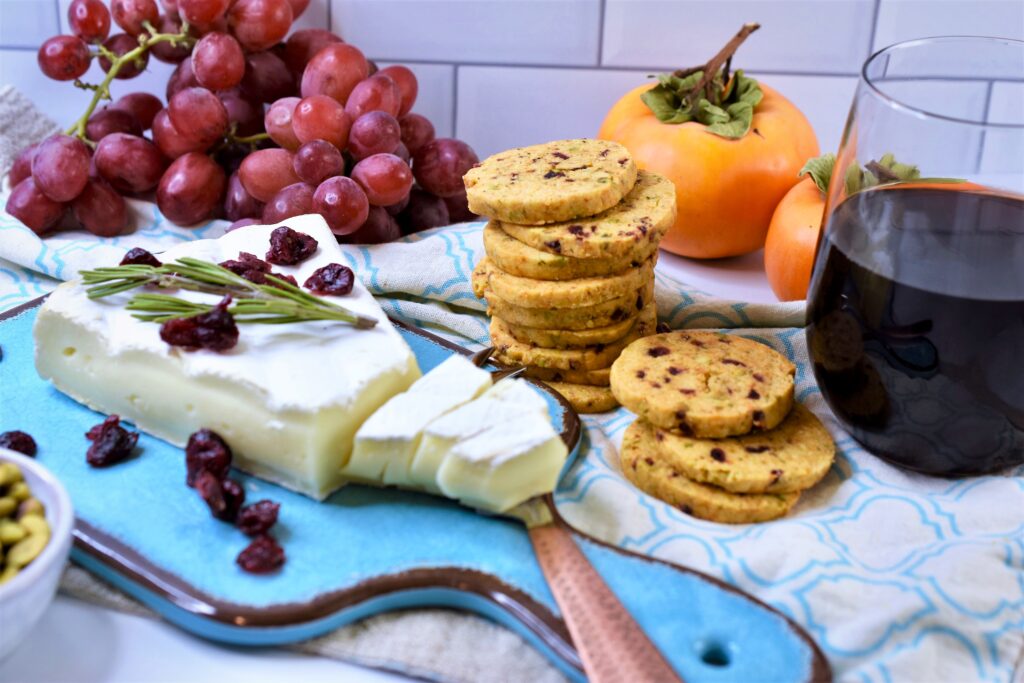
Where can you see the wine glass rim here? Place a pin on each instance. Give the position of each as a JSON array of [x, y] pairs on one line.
[[897, 103]]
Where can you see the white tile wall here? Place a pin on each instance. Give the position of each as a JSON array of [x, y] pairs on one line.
[[795, 35], [500, 73], [1003, 154]]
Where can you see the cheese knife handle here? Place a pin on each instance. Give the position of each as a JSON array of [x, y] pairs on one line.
[[611, 645]]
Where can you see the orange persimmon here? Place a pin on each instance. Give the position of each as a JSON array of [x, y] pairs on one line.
[[727, 183], [793, 240]]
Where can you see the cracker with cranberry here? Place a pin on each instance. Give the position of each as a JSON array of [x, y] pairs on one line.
[[532, 293], [704, 383], [555, 181], [511, 351], [516, 258], [644, 464], [571, 339], [794, 456], [593, 378], [586, 399], [624, 231], [623, 308]]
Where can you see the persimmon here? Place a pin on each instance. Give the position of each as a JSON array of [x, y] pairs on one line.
[[731, 145]]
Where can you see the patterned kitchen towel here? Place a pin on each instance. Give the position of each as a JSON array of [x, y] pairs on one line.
[[897, 576]]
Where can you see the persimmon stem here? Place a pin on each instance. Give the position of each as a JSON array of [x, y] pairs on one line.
[[724, 56]]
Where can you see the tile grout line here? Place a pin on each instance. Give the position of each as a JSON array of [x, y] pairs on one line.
[[874, 27], [455, 100], [986, 110], [59, 23], [330, 15], [600, 34]]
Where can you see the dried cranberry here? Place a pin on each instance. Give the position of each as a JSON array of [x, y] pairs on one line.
[[254, 269], [138, 256], [18, 441], [206, 452], [658, 351], [262, 556], [224, 497], [111, 443], [257, 518], [288, 247], [214, 330], [334, 279]]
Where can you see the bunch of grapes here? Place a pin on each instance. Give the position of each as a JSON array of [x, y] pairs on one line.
[[257, 128]]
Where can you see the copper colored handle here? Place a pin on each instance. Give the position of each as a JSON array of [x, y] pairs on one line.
[[610, 643]]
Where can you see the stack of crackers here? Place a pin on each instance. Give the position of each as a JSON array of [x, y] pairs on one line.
[[718, 435], [571, 247]]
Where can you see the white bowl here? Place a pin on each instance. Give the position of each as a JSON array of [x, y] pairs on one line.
[[24, 598]]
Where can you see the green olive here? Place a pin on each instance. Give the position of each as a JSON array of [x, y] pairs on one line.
[[11, 532], [19, 491], [9, 473], [31, 506], [9, 572], [26, 550], [7, 506], [35, 525]]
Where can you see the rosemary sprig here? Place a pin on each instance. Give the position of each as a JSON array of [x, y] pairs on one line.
[[277, 303]]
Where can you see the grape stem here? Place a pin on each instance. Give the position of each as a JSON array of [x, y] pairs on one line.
[[102, 91]]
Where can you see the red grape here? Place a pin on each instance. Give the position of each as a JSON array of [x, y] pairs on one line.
[[417, 131], [121, 44], [164, 51], [376, 93], [218, 62], [243, 223], [385, 179], [298, 7], [302, 45], [293, 200], [64, 58], [408, 86], [218, 26], [342, 203], [440, 164], [61, 167], [379, 227], [374, 133], [399, 207], [318, 160], [183, 77], [258, 24], [334, 71], [89, 20], [141, 105], [191, 189], [279, 122], [33, 208], [238, 203], [266, 171], [198, 111], [424, 211], [22, 166], [172, 142], [202, 12], [402, 152], [100, 209], [266, 78], [458, 208], [319, 117], [131, 14], [108, 120], [128, 162], [170, 5], [247, 116]]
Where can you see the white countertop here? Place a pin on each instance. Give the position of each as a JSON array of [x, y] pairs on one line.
[[97, 645]]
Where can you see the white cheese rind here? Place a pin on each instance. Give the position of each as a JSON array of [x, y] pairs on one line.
[[387, 441], [287, 398]]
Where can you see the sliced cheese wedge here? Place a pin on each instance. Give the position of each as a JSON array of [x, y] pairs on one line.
[[505, 465], [388, 440], [506, 401]]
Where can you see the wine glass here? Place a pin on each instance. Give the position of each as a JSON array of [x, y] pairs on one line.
[[916, 306]]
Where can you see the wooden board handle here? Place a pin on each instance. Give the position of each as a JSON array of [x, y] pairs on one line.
[[611, 644]]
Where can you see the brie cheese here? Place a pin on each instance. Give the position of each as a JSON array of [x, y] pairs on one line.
[[387, 442], [287, 398]]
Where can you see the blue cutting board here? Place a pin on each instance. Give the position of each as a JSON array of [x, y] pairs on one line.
[[365, 551]]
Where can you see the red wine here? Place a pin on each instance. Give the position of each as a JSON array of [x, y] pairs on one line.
[[916, 326]]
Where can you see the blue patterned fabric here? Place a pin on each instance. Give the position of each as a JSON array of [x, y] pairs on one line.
[[899, 577]]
